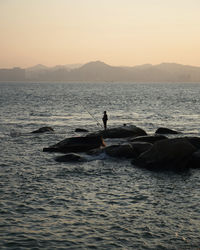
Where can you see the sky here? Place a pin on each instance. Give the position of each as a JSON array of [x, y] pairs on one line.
[[117, 32]]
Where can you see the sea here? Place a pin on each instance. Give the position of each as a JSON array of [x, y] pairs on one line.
[[104, 203]]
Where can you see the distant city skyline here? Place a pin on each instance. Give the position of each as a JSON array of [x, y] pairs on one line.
[[40, 66], [100, 72], [117, 32]]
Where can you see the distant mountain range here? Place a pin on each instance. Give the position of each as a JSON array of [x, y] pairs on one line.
[[100, 72]]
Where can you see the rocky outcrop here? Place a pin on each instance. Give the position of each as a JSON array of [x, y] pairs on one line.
[[168, 154], [120, 132], [153, 152], [76, 144], [43, 130], [166, 131]]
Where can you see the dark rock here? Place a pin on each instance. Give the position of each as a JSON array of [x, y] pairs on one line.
[[120, 151], [120, 132], [76, 144], [149, 138], [43, 130], [70, 158], [81, 130], [168, 154], [166, 131], [140, 147], [194, 160], [131, 150], [195, 141]]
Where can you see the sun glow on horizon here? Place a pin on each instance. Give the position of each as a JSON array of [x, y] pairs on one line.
[[128, 32]]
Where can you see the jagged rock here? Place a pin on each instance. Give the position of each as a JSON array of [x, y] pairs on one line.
[[168, 154], [43, 130], [166, 131], [76, 144], [120, 151], [120, 132], [140, 147], [81, 130], [70, 158], [149, 138]]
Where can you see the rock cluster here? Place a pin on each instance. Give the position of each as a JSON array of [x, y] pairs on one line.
[[154, 152]]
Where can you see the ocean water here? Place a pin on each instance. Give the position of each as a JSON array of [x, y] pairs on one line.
[[103, 203]]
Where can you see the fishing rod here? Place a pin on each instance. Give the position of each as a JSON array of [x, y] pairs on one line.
[[99, 124]]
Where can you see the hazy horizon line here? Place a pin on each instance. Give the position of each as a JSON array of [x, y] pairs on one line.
[[93, 61]]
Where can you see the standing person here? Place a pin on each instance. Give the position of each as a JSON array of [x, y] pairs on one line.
[[104, 119]]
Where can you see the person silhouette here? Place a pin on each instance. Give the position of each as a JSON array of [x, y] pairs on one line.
[[105, 119]]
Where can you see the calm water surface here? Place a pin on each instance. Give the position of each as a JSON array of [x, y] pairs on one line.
[[104, 203]]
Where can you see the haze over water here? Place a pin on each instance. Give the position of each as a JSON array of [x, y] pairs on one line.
[[103, 203]]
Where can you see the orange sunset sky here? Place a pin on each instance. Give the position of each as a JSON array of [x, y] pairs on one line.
[[118, 32]]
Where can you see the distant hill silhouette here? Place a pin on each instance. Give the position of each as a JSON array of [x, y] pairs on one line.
[[101, 72]]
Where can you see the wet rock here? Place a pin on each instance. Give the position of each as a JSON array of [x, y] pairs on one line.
[[168, 154], [81, 130], [70, 158], [149, 138], [121, 132], [76, 144], [166, 131], [120, 151], [43, 130], [140, 147]]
